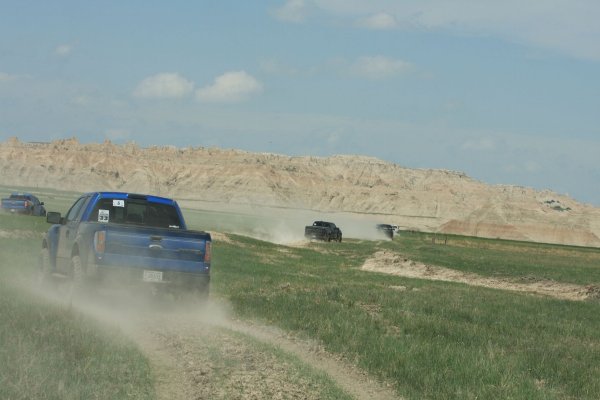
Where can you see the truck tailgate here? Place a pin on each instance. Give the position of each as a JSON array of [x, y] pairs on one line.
[[161, 249], [13, 204]]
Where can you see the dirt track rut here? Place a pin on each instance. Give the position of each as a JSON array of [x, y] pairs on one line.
[[198, 352]]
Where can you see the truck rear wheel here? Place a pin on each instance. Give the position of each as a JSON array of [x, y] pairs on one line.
[[77, 273], [192, 295], [200, 292], [91, 269], [203, 292]]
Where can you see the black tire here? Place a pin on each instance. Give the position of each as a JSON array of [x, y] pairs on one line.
[[203, 292], [91, 269], [44, 277], [189, 295], [200, 294]]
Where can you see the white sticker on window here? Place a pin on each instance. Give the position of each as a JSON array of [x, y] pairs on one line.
[[118, 203], [103, 215]]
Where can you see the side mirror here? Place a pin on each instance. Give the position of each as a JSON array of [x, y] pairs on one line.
[[41, 203], [53, 217]]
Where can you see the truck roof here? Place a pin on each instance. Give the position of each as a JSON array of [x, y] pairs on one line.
[[322, 223], [17, 195], [124, 195]]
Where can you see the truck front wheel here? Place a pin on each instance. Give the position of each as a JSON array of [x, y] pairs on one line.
[[45, 269]]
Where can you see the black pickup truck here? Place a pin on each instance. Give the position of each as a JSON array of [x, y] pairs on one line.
[[386, 229], [322, 230]]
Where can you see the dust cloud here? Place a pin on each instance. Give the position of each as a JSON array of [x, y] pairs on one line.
[[285, 226], [180, 337]]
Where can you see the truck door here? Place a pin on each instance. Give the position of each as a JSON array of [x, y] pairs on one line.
[[67, 234]]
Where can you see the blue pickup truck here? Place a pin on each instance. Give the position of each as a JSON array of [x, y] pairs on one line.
[[128, 237], [24, 203]]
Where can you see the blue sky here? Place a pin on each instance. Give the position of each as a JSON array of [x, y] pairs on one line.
[[506, 91]]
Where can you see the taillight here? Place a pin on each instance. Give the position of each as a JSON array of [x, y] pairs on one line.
[[207, 252], [100, 241]]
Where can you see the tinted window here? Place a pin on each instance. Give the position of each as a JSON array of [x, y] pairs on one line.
[[75, 211], [136, 212], [20, 197]]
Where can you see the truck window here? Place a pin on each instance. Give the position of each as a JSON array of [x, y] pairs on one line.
[[136, 212], [75, 211], [19, 197]]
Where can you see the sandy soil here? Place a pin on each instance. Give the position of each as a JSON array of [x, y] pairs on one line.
[[389, 262]]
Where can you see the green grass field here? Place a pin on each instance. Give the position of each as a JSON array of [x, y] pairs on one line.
[[52, 352], [434, 340], [430, 340]]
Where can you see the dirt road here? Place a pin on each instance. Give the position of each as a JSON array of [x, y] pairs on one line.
[[199, 352]]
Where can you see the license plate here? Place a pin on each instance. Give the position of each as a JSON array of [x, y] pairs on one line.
[[152, 276]]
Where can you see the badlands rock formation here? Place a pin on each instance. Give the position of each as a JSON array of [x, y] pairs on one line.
[[428, 200]]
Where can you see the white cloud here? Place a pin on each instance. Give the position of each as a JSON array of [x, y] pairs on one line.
[[63, 50], [162, 86], [567, 26], [379, 67], [292, 11], [230, 87], [379, 21]]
